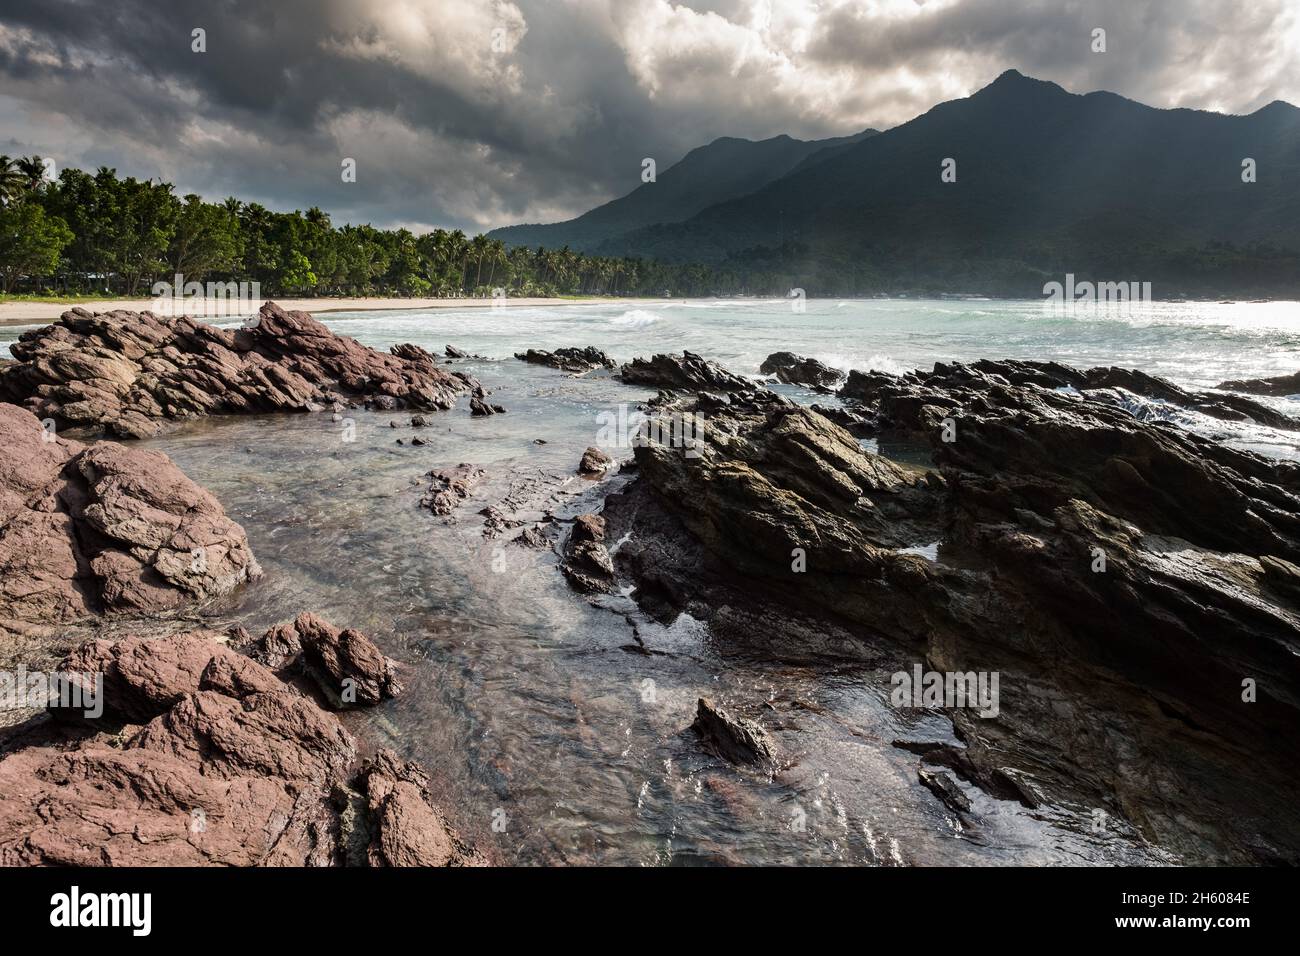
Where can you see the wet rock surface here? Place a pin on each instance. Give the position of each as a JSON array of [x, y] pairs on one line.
[[594, 462], [346, 666], [795, 369], [587, 563], [450, 487], [577, 360], [1278, 386], [102, 528], [206, 757], [685, 372], [127, 373], [1136, 586], [733, 738]]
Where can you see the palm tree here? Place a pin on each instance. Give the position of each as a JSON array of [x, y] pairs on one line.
[[12, 180], [33, 170]]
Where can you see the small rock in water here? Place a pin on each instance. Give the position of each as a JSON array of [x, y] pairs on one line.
[[737, 739], [594, 462], [943, 786]]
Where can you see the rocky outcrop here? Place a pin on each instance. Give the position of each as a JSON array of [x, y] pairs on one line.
[[1111, 385], [685, 372], [568, 359], [797, 370], [91, 529], [587, 563], [401, 826], [1137, 586], [205, 757], [594, 462], [345, 665], [127, 373], [732, 738], [1280, 386]]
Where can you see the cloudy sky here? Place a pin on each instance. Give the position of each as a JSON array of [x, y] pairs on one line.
[[480, 113]]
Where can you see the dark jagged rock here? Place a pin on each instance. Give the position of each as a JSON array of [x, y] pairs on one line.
[[568, 359], [479, 408], [797, 370], [1124, 576], [587, 563], [736, 739], [594, 462], [231, 767], [91, 529], [126, 373], [1280, 386], [450, 487], [943, 786], [686, 372], [452, 352]]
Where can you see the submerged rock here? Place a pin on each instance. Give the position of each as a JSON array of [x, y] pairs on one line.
[[736, 739], [450, 487], [568, 359], [797, 370], [126, 373], [101, 528], [686, 372]]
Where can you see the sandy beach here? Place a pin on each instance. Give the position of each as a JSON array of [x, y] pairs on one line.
[[27, 313]]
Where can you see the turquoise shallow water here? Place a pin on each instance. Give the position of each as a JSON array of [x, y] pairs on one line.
[[1194, 344]]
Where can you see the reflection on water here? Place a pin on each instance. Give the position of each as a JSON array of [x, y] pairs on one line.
[[523, 700]]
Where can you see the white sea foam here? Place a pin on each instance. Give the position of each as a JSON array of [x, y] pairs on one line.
[[635, 319]]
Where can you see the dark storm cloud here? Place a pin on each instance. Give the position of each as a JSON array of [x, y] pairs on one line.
[[474, 113]]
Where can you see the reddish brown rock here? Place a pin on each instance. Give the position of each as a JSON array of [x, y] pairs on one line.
[[450, 487], [345, 664], [125, 373], [233, 767], [95, 529], [406, 829], [594, 462], [587, 563]]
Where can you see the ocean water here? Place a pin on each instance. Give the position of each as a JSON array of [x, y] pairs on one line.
[[547, 740]]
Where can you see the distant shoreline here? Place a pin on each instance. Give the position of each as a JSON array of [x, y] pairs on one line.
[[28, 313], [32, 312]]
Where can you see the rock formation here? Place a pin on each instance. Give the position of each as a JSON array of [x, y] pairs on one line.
[[587, 563], [685, 372], [568, 359], [594, 462], [1136, 585], [796, 370], [126, 373], [91, 529], [205, 757], [737, 739]]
